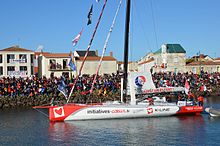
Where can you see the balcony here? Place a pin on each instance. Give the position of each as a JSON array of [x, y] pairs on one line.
[[58, 67]]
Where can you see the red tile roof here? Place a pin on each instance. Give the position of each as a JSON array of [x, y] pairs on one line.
[[16, 49], [198, 63], [38, 53], [56, 55], [89, 58]]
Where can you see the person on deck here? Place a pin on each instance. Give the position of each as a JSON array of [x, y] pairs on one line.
[[151, 101], [201, 100], [191, 97]]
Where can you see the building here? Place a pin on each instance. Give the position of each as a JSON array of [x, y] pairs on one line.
[[203, 63], [132, 66], [108, 66], [56, 64], [169, 58], [16, 62], [146, 65]]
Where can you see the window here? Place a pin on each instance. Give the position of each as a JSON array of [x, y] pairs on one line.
[[0, 58], [194, 70], [52, 75], [64, 63], [10, 69], [175, 60], [23, 68], [1, 70], [22, 58], [52, 64], [32, 70], [32, 58], [10, 58]]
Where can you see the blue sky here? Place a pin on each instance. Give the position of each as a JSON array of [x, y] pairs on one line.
[[54, 23]]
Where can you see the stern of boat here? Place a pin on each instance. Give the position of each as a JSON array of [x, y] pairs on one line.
[[190, 110]]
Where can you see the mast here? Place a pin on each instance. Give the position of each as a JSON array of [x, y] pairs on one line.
[[126, 48]]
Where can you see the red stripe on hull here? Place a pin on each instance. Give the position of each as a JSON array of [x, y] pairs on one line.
[[190, 110]]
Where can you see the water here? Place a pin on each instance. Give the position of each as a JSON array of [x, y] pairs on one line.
[[29, 127]]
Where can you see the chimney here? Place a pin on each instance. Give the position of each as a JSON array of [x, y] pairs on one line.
[[111, 54], [96, 53]]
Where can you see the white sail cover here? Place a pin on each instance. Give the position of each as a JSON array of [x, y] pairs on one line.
[[141, 81], [143, 84]]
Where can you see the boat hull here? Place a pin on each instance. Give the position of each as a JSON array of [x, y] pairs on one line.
[[87, 112], [75, 112], [213, 112], [190, 110]]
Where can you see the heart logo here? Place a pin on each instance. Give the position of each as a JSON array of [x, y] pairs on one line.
[[58, 112], [149, 110]]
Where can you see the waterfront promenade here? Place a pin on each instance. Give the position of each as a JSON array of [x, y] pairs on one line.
[[32, 91]]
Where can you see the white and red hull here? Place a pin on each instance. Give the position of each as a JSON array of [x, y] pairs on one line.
[[75, 112]]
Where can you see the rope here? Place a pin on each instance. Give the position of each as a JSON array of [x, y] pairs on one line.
[[41, 112], [151, 4], [105, 46], [87, 51]]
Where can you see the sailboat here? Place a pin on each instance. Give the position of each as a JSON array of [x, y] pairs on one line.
[[74, 112], [213, 112]]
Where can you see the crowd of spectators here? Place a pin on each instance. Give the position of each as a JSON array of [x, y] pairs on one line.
[[106, 84], [198, 82], [34, 86]]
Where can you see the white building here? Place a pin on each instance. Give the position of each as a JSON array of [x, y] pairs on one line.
[[56, 64], [16, 62], [169, 58]]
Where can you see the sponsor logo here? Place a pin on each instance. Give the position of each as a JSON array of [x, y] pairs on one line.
[[120, 111], [189, 108], [140, 80], [159, 90], [193, 108], [100, 111], [162, 109], [149, 110], [58, 112]]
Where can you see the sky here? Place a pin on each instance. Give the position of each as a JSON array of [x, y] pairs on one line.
[[194, 24]]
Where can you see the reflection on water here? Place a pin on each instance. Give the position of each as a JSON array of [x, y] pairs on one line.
[[150, 131]]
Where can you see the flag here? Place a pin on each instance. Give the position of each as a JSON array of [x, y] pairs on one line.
[[90, 16], [71, 63], [187, 87], [41, 90], [62, 88], [76, 39]]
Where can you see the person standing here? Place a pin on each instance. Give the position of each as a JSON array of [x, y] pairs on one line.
[[200, 100]]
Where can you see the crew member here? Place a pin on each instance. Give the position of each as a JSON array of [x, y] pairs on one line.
[[201, 100], [151, 101]]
